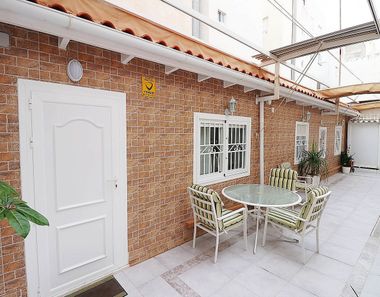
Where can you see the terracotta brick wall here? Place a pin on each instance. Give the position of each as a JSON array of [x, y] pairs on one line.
[[160, 138]]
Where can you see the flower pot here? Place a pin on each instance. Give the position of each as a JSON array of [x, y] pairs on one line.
[[346, 170]]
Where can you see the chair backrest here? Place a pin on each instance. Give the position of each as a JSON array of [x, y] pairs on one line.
[[283, 178], [285, 165], [207, 206], [315, 204]]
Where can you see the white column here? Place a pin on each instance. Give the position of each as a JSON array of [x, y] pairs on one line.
[[262, 142]]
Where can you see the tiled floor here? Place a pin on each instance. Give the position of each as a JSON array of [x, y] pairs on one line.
[[277, 268]]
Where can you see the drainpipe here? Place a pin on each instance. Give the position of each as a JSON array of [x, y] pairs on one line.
[[262, 142]]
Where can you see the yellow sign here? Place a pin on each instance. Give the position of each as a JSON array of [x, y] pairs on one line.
[[148, 87]]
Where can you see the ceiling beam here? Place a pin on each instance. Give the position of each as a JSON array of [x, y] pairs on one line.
[[374, 15], [125, 59], [170, 69], [248, 89], [356, 34], [227, 84], [264, 98], [202, 77], [63, 42]]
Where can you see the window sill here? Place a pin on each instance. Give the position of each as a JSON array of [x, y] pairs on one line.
[[207, 182]]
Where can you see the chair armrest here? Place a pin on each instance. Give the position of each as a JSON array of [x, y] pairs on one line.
[[288, 214], [231, 213], [305, 179]]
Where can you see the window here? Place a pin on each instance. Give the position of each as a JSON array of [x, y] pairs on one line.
[[196, 26], [301, 140], [323, 140], [338, 140], [221, 16], [265, 25], [221, 147]]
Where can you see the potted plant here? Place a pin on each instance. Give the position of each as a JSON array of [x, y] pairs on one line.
[[346, 162], [17, 212], [313, 164]]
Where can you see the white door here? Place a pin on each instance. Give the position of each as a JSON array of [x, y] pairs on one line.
[[363, 142], [74, 172]]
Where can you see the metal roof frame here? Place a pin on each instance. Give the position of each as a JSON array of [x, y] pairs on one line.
[[360, 33]]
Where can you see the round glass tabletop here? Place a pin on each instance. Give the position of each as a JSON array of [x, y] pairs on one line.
[[261, 195]]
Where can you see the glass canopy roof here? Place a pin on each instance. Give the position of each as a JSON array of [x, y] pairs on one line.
[[270, 24]]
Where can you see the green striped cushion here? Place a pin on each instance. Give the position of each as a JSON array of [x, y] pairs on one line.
[[312, 194], [283, 178], [217, 202], [232, 220], [283, 218]]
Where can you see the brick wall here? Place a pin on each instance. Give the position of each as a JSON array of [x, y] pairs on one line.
[[159, 139]]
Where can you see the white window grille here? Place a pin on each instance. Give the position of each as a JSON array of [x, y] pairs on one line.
[[338, 140], [323, 140], [301, 140], [221, 16], [221, 147]]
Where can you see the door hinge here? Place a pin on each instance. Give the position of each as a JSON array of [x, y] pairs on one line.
[[30, 104]]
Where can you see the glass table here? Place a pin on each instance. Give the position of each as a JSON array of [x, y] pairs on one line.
[[261, 196]]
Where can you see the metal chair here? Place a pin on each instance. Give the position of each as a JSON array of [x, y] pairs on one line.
[[303, 182], [212, 217], [302, 222]]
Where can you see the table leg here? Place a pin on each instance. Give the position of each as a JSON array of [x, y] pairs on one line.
[[257, 228]]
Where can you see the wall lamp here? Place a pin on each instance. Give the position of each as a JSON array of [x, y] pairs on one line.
[[307, 117], [231, 107]]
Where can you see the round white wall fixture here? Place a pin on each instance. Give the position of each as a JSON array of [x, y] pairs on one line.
[[75, 70]]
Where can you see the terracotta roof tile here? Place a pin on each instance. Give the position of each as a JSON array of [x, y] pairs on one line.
[[114, 17]]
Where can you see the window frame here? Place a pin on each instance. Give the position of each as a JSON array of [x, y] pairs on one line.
[[225, 174], [296, 162], [319, 141], [337, 128]]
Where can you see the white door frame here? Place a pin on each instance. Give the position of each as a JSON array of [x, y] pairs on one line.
[[27, 168]]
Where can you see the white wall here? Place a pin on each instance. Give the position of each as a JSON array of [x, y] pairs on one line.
[[159, 12]]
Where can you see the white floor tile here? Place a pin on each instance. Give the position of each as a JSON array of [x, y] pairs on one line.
[[144, 272], [205, 278], [174, 257], [261, 281], [293, 291], [280, 266], [317, 283], [234, 289], [330, 267], [158, 288]]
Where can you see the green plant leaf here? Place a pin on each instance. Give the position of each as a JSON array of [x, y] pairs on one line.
[[32, 215], [18, 222], [7, 190]]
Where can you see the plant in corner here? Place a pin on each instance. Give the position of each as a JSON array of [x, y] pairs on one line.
[[17, 212], [313, 164], [346, 162]]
